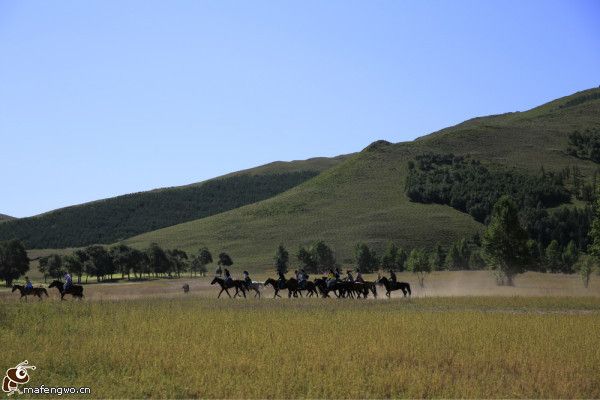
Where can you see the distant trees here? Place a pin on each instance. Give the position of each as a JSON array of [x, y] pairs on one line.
[[282, 259], [418, 263], [585, 145], [505, 242], [470, 187], [13, 261], [225, 260], [367, 261], [585, 268], [200, 261], [317, 257], [394, 258]]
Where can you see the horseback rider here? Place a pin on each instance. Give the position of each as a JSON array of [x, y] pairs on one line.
[[331, 279], [359, 277], [281, 281], [393, 276], [349, 276], [228, 278], [28, 285], [247, 279], [302, 278], [68, 283], [337, 274]]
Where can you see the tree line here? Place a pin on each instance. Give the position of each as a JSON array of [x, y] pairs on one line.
[[112, 220], [103, 263]]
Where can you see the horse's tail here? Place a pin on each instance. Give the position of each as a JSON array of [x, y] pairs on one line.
[[45, 291], [408, 288]]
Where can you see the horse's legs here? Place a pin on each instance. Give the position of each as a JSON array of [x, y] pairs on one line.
[[220, 293]]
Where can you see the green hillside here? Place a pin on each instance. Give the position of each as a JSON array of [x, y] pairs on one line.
[[110, 220], [363, 198], [4, 217]]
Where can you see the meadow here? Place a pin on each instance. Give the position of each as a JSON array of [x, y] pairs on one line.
[[150, 340]]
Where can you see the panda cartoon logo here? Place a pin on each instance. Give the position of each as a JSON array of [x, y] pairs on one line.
[[16, 376]]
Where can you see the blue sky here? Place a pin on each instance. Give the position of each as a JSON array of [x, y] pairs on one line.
[[101, 98]]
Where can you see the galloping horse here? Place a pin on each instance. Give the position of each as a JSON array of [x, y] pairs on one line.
[[291, 285], [391, 286], [33, 291], [74, 290], [310, 287], [237, 284], [256, 286]]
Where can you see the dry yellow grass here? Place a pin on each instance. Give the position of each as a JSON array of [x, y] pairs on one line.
[[310, 348]]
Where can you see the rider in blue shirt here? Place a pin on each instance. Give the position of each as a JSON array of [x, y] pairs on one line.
[[28, 284], [68, 282]]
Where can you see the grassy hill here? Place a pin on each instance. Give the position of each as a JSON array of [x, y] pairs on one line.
[[4, 217], [363, 199], [113, 219]]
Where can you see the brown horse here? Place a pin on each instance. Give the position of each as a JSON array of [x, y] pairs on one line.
[[291, 285], [390, 286], [74, 290], [233, 284], [30, 292]]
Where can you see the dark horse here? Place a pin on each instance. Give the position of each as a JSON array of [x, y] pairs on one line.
[[74, 290], [291, 285], [391, 286], [235, 284], [310, 288], [33, 291]]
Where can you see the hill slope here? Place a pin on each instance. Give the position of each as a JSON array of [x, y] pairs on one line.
[[363, 199], [4, 217], [110, 220]]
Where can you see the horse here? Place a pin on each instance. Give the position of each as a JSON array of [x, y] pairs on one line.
[[33, 291], [291, 285], [324, 288], [256, 286], [235, 284], [310, 287], [74, 290], [391, 286]]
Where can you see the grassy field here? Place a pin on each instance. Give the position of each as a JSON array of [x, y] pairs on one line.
[[362, 199], [515, 347]]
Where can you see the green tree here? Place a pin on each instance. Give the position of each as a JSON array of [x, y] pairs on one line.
[[366, 259], [453, 258], [585, 267], [307, 260], [476, 261], [282, 259], [465, 253], [569, 257], [553, 257], [324, 256], [389, 261], [505, 242], [178, 259], [200, 261], [73, 265], [99, 263], [55, 266], [225, 260], [158, 260], [14, 261], [438, 258], [418, 263], [43, 267], [401, 260]]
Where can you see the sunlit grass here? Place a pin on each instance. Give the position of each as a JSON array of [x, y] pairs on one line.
[[197, 347]]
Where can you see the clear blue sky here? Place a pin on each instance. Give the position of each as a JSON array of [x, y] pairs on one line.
[[100, 98]]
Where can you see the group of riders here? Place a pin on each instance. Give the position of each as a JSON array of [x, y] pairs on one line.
[[333, 276], [66, 287]]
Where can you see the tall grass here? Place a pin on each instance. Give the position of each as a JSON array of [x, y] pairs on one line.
[[196, 347]]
